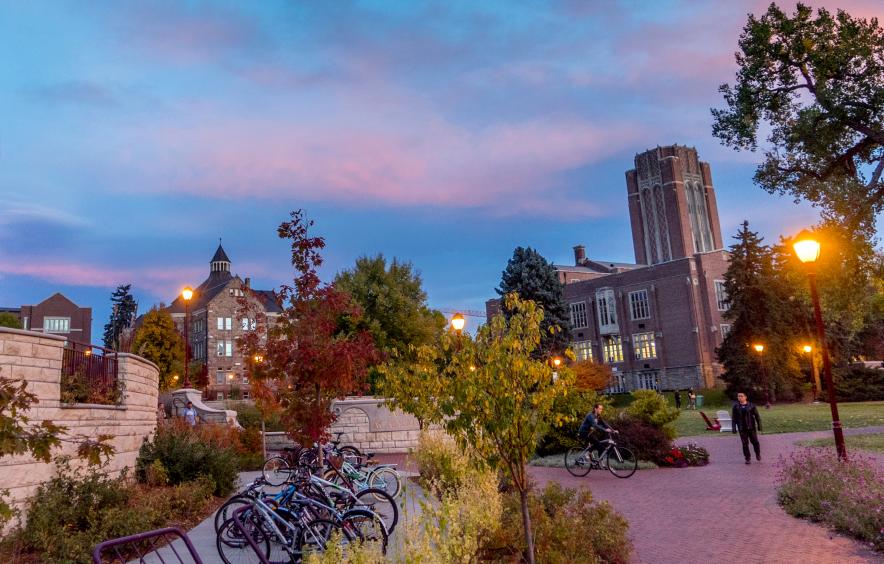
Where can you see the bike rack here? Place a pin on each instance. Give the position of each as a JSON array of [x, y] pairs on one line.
[[153, 541], [237, 522]]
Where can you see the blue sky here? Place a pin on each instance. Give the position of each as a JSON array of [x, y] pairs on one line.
[[134, 135]]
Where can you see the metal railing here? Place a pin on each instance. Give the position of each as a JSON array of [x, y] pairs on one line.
[[90, 374], [148, 547]]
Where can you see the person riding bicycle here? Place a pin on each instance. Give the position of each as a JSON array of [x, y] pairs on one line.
[[593, 422]]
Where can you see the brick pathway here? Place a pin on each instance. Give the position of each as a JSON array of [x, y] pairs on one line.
[[723, 512]]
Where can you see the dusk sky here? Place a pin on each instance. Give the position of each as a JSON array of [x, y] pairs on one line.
[[134, 134]]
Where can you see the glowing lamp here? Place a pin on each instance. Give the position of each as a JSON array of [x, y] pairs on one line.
[[806, 248], [807, 348], [458, 322], [758, 348], [187, 293]]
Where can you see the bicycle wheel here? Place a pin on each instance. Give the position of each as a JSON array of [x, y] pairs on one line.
[[276, 471], [364, 526], [621, 461], [314, 536], [379, 502], [233, 546], [225, 512], [386, 479], [577, 462], [332, 476]]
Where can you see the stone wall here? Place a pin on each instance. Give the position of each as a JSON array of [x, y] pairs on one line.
[[36, 359]]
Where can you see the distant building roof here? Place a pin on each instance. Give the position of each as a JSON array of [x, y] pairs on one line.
[[220, 255]]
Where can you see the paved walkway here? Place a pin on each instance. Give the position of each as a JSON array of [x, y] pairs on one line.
[[724, 512]]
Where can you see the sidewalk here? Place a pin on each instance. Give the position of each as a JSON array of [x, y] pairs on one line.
[[723, 512]]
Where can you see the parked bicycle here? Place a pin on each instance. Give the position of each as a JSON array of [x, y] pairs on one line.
[[617, 459]]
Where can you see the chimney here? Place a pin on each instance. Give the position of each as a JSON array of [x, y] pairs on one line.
[[579, 255], [248, 283]]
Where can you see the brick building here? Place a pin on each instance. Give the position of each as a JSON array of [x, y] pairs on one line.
[[656, 322], [56, 315], [215, 325]]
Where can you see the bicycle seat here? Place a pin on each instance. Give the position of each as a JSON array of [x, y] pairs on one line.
[[369, 455]]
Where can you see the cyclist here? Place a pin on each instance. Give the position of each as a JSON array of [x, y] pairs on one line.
[[593, 422]]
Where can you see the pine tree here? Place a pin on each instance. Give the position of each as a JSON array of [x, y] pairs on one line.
[[762, 310], [534, 278], [122, 316]]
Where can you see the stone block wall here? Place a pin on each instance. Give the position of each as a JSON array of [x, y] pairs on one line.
[[36, 358]]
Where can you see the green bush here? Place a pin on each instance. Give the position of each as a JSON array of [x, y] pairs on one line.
[[249, 416], [71, 513], [443, 466], [570, 411], [652, 408], [857, 383], [568, 527], [846, 495], [187, 453]]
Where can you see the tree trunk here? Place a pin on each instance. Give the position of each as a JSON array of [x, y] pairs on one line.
[[526, 524]]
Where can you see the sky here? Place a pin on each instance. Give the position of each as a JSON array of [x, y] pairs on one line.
[[134, 135]]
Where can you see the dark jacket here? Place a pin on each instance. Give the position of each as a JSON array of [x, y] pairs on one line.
[[591, 422], [745, 418]]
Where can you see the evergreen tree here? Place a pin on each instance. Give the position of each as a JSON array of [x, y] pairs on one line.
[[159, 342], [762, 310], [534, 278], [122, 316], [9, 320]]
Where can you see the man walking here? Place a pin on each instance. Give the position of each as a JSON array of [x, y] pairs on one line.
[[747, 421], [190, 414]]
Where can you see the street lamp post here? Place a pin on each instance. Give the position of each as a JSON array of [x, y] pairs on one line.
[[808, 251], [556, 363], [814, 377], [759, 348], [458, 322], [186, 294]]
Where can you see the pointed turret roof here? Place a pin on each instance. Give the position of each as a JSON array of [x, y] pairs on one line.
[[220, 255]]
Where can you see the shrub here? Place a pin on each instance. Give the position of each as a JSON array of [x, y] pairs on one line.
[[683, 456], [568, 527], [857, 383], [570, 411], [651, 407], [645, 440], [190, 452], [443, 466], [71, 513], [249, 416], [848, 496], [156, 474]]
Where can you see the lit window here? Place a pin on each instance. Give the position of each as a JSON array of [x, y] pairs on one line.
[[578, 315], [612, 347], [721, 296], [57, 324], [638, 305], [725, 330], [582, 350], [644, 345]]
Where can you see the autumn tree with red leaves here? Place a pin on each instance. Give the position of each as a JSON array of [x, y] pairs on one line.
[[315, 351]]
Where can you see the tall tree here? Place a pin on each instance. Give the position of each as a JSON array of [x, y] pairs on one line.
[[315, 352], [492, 394], [158, 341], [9, 320], [534, 278], [394, 306], [817, 82], [122, 316], [761, 310]]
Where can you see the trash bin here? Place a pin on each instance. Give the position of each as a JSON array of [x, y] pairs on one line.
[[699, 401]]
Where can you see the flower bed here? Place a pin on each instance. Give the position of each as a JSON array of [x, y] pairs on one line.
[[684, 456], [847, 496]]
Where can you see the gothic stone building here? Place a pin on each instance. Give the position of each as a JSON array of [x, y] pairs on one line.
[[656, 322], [215, 325]]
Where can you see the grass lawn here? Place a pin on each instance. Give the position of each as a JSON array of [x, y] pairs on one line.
[[790, 417], [873, 442]]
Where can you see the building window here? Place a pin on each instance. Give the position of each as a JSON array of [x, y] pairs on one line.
[[612, 348], [235, 292], [582, 350], [725, 330], [607, 310], [225, 323], [578, 315], [57, 324], [644, 345], [245, 394], [225, 348], [618, 384], [721, 296], [248, 324], [220, 396], [638, 305], [219, 377], [647, 380]]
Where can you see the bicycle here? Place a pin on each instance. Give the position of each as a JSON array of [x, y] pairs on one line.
[[381, 476], [617, 459]]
